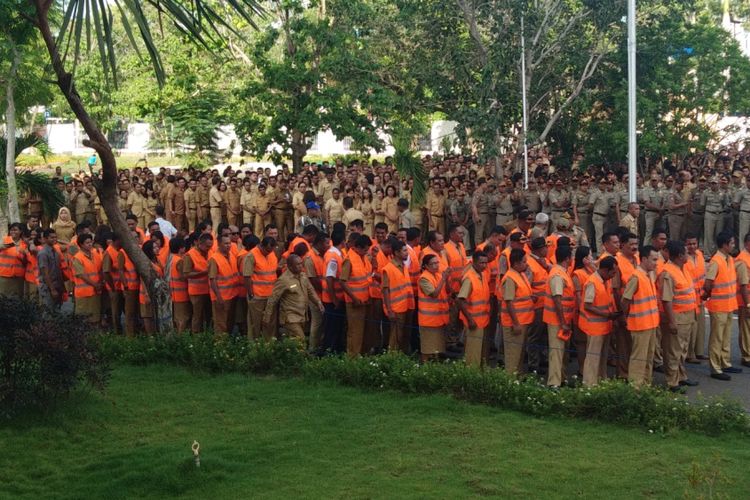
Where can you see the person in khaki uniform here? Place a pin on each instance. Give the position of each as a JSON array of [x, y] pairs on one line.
[[204, 204], [215, 199], [581, 209], [234, 207], [247, 203], [599, 203], [436, 209], [192, 205], [741, 203], [678, 204], [477, 345], [176, 209], [559, 201], [504, 204], [262, 209], [653, 204], [355, 281], [679, 322], [698, 209], [715, 202], [282, 209], [742, 268], [630, 220], [293, 293]]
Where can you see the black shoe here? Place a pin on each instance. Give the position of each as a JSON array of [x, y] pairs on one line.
[[745, 363], [732, 369], [693, 361], [688, 382], [678, 389], [659, 368], [721, 376], [702, 357]]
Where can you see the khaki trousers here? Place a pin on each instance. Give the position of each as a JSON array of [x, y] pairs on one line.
[[595, 366], [675, 347], [89, 307], [356, 318], [580, 340], [623, 346], [719, 341], [201, 304], [640, 370], [744, 338], [651, 218], [131, 306], [476, 347], [115, 308], [223, 314], [233, 219], [514, 346], [557, 357], [181, 312], [584, 220], [255, 309], [180, 222], [399, 339], [598, 222], [480, 229], [376, 336], [698, 335], [216, 218], [744, 225], [676, 226], [316, 322], [279, 218], [295, 331], [712, 225], [192, 219]]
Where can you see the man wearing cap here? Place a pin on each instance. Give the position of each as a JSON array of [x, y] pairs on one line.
[[530, 196], [599, 203], [630, 220], [503, 202], [715, 202], [460, 211], [737, 185], [580, 203], [678, 204], [479, 210], [312, 217], [698, 208], [559, 201], [541, 225], [741, 203], [653, 203], [622, 199]]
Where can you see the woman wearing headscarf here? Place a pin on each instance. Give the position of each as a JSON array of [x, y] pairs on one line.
[[64, 226]]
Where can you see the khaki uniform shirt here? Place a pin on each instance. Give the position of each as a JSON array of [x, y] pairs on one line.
[[335, 210], [191, 199], [714, 201], [293, 293]]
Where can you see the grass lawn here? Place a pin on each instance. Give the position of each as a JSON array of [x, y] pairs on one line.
[[289, 438]]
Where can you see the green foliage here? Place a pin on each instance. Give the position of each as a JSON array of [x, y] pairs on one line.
[[44, 356], [613, 401], [408, 164], [41, 185]]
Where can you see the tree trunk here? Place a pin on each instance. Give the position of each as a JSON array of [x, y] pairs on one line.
[[10, 130], [107, 186], [299, 150]]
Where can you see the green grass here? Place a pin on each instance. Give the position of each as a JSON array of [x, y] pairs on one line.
[[289, 438]]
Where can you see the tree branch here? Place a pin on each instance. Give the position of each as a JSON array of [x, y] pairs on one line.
[[469, 15]]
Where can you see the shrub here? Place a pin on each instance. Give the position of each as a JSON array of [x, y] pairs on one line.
[[44, 355], [612, 401]]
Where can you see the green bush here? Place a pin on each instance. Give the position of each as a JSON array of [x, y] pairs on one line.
[[650, 408], [44, 356]]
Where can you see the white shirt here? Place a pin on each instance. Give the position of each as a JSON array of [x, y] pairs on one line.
[[333, 266], [166, 228]]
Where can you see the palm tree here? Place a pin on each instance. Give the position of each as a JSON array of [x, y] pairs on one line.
[[85, 23]]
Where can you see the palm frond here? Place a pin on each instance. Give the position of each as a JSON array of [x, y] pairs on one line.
[[22, 143], [199, 20], [409, 165], [41, 185]]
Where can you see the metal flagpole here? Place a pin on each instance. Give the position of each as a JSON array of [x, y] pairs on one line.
[[523, 98], [632, 139]]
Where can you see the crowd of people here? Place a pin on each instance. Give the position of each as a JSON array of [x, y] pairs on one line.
[[339, 257]]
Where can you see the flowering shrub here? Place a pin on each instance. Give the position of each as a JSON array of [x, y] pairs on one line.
[[612, 401]]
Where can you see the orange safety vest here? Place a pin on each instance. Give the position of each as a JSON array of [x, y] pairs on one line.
[[178, 285], [226, 279], [129, 275], [597, 325], [198, 286], [743, 257], [328, 294], [457, 261], [478, 301], [626, 267], [32, 269], [264, 273], [684, 293], [433, 312], [523, 304], [643, 313], [11, 260], [319, 266], [114, 270], [381, 260], [296, 241], [399, 288], [429, 251], [568, 298], [92, 270], [359, 277], [143, 297], [538, 281], [697, 271], [415, 268], [240, 259], [724, 292]]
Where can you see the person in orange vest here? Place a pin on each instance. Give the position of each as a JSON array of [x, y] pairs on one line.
[[333, 296], [130, 285], [88, 280], [474, 303], [659, 241], [596, 312], [677, 294], [293, 294], [559, 307], [720, 292], [309, 233], [13, 262], [315, 269], [641, 312], [696, 266], [260, 271], [356, 273], [455, 254], [223, 278], [194, 268], [151, 249], [178, 285], [742, 267], [33, 240], [111, 271], [398, 297], [381, 252], [627, 261], [515, 240], [610, 244], [517, 311], [433, 307], [583, 267], [538, 271]]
